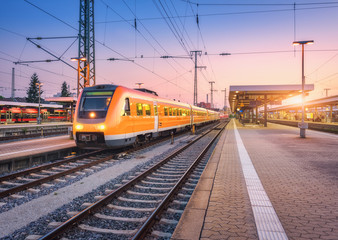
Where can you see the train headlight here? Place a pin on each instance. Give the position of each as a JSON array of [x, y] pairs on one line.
[[79, 127], [92, 115], [101, 127]]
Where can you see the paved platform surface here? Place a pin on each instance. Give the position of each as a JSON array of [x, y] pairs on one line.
[[299, 178], [43, 124], [34, 146]]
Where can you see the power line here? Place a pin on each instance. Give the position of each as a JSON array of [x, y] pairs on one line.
[[224, 14], [152, 36], [322, 65], [259, 4], [170, 25], [51, 15]]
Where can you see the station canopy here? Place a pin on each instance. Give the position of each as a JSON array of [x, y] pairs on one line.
[[61, 99], [244, 97], [320, 102]]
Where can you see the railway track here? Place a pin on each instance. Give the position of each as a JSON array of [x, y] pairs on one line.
[[29, 179], [131, 210]]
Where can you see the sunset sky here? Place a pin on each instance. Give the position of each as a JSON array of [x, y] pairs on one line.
[[257, 34]]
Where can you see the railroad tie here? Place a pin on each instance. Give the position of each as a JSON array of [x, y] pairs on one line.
[[104, 230], [130, 208], [125, 219]]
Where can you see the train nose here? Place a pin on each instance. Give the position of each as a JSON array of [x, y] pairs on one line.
[[88, 137]]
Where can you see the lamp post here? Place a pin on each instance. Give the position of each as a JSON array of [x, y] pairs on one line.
[[303, 126], [39, 115], [85, 73]]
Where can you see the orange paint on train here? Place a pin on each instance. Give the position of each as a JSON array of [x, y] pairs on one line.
[[115, 116]]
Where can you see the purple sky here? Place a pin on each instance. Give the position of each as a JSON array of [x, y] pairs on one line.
[[258, 36]]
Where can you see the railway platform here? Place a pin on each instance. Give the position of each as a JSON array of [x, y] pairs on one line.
[[21, 154], [266, 183]]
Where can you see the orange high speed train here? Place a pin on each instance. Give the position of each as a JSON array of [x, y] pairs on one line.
[[110, 116]]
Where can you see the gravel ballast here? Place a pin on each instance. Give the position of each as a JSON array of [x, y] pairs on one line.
[[37, 209]]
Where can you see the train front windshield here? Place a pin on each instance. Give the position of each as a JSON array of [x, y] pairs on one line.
[[95, 104]]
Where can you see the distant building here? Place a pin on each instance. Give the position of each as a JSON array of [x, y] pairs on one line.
[[204, 105]]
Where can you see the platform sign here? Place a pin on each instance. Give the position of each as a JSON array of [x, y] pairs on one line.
[[303, 125]]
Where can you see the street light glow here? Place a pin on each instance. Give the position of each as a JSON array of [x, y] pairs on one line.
[[303, 126], [303, 42], [75, 59]]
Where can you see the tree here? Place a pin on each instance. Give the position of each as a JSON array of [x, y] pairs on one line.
[[33, 90], [64, 90]]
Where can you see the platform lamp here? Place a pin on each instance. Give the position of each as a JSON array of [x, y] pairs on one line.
[[303, 126], [39, 115], [85, 74]]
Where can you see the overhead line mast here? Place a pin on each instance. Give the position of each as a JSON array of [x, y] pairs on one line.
[[195, 78], [86, 56]]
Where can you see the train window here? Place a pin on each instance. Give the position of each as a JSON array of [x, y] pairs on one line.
[[126, 107], [180, 112], [139, 109], [97, 101], [165, 111], [174, 111], [155, 110], [170, 111], [147, 108]]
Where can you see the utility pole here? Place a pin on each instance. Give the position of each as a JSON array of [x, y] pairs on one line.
[[225, 98], [195, 78], [327, 91], [13, 84], [212, 94], [86, 45]]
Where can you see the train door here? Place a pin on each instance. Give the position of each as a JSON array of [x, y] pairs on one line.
[[191, 117], [8, 116], [155, 117], [127, 117]]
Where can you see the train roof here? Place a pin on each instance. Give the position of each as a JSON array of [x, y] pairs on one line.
[[26, 104], [148, 95]]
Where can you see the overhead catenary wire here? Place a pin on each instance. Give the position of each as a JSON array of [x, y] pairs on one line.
[[225, 14]]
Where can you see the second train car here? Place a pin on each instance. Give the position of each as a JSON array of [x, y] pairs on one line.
[[111, 116]]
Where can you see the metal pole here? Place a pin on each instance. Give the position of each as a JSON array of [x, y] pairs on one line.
[[302, 128], [78, 77], [225, 98], [212, 94], [265, 111], [39, 119], [13, 84], [195, 81]]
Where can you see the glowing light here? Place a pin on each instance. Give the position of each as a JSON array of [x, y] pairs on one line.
[[101, 127], [92, 115], [79, 127], [303, 42], [293, 100]]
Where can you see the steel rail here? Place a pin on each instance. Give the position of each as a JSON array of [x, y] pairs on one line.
[[104, 201], [154, 216], [46, 166], [68, 160], [51, 177]]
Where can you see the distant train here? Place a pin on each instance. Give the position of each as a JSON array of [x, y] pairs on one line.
[[21, 112], [110, 116]]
